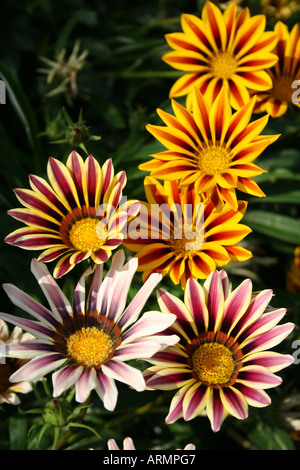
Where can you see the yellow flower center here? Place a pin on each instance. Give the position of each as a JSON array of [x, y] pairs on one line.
[[88, 234], [213, 160], [188, 239], [213, 363], [282, 88], [223, 65], [89, 346]]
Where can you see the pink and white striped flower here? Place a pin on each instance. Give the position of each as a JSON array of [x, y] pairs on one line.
[[87, 341], [75, 217], [128, 444], [222, 362]]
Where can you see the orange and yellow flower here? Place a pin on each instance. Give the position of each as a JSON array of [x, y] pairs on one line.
[[211, 147], [78, 218], [231, 47], [176, 233], [284, 74]]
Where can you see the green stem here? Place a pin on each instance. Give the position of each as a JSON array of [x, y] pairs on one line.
[[62, 441]]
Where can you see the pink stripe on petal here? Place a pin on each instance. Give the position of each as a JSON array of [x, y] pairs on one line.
[[33, 327], [119, 288], [29, 305], [27, 349], [258, 377], [42, 187], [195, 301], [169, 378], [94, 288], [51, 254], [116, 265], [125, 373], [176, 410], [65, 378], [85, 384], [63, 266], [254, 397], [170, 304], [78, 302], [215, 409], [108, 171], [256, 308], [194, 401], [149, 324], [107, 391], [62, 182], [268, 339], [215, 299], [140, 349], [75, 164], [91, 180], [58, 302], [236, 304], [273, 361], [37, 368], [234, 402], [132, 311]]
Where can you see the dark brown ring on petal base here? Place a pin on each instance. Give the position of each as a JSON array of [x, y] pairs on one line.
[[78, 322]]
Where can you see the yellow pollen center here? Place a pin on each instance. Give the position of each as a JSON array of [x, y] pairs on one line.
[[89, 346], [213, 160], [88, 234], [188, 239], [282, 88], [213, 363], [223, 65]]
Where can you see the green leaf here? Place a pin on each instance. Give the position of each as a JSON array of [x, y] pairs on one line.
[[271, 438], [23, 109], [18, 433], [277, 226]]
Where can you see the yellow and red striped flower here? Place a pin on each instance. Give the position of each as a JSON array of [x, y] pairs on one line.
[[231, 48], [283, 74], [210, 147], [77, 218], [222, 363], [176, 233]]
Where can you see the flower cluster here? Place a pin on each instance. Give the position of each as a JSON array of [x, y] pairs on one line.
[[212, 347]]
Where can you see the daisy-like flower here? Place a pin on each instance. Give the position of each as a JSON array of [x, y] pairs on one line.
[[210, 148], [87, 341], [9, 391], [230, 48], [283, 74], [176, 233], [222, 362], [75, 219], [293, 274], [128, 444]]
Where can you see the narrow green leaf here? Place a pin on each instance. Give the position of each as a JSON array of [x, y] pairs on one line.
[[277, 226]]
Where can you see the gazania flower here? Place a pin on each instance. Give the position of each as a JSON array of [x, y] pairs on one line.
[[210, 148], [283, 74], [129, 445], [229, 48], [75, 219], [222, 362], [9, 391], [293, 274], [179, 234], [86, 342]]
